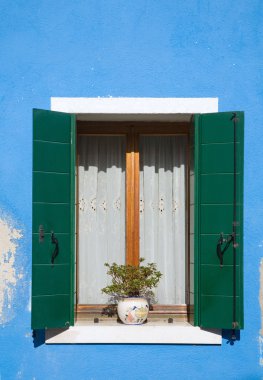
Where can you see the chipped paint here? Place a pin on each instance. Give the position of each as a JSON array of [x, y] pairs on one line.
[[8, 273]]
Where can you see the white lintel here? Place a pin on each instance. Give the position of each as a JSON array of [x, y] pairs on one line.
[[163, 109]]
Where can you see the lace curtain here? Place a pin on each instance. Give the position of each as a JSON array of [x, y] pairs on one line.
[[162, 212], [101, 212]]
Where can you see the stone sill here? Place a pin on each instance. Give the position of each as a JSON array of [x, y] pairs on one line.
[[156, 332]]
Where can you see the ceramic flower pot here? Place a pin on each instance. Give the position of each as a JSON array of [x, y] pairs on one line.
[[133, 310]]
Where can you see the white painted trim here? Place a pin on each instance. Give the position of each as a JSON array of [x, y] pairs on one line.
[[135, 106], [147, 334]]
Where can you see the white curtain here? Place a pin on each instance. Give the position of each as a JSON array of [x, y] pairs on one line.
[[162, 212], [101, 212]]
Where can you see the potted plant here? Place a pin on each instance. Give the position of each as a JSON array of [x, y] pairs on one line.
[[132, 285]]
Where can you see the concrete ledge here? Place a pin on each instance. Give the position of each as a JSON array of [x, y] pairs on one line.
[[143, 334]]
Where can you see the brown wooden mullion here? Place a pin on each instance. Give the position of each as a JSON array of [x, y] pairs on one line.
[[129, 197], [132, 199]]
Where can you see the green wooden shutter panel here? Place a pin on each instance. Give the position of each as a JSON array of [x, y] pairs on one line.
[[54, 209], [214, 195]]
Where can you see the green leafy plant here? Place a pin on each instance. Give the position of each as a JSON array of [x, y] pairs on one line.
[[132, 281]]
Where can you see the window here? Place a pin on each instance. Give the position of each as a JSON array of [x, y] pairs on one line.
[[132, 196], [216, 299]]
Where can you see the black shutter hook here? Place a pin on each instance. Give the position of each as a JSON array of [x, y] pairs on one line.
[[54, 240], [220, 252]]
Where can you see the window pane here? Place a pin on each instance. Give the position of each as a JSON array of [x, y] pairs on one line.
[[163, 212], [101, 212]]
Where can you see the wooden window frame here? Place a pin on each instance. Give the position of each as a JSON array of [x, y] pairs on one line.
[[132, 132]]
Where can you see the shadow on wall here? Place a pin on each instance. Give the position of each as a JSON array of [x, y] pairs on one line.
[[38, 337], [232, 336]]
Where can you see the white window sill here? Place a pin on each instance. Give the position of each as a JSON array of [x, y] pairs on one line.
[[149, 333]]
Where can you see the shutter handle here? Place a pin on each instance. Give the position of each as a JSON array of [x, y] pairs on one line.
[[54, 240]]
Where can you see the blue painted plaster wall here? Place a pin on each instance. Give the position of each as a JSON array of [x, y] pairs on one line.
[[194, 48]]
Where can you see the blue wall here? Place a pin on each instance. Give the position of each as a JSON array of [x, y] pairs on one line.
[[139, 48]]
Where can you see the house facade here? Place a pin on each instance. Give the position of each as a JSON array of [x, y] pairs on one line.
[[138, 62]]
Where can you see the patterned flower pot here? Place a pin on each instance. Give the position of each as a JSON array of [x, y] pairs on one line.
[[133, 310]]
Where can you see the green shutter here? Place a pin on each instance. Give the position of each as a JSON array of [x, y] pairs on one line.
[[216, 305], [54, 210]]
